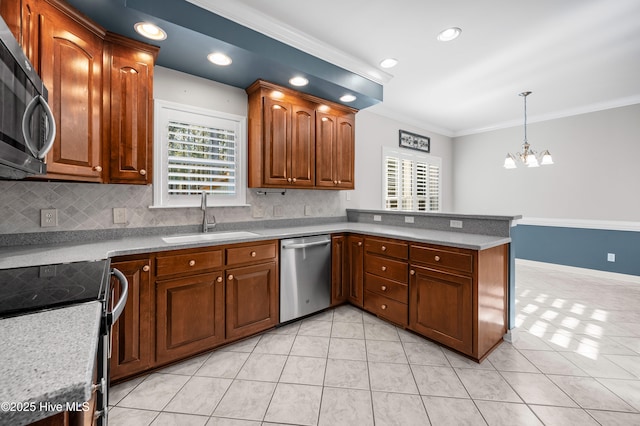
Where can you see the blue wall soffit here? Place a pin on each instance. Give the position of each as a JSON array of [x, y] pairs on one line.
[[582, 248]]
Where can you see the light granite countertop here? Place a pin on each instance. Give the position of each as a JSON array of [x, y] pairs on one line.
[[44, 254], [47, 358]]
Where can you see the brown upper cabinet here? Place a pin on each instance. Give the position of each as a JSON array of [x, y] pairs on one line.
[[100, 91], [298, 140]]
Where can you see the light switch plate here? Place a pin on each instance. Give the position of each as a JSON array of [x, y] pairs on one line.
[[455, 223], [119, 215], [377, 218], [408, 219]]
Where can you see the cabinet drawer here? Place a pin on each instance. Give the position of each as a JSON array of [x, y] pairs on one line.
[[384, 287], [188, 263], [387, 268], [460, 260], [387, 308], [389, 248], [239, 254]]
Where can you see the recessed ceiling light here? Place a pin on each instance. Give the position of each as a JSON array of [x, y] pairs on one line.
[[347, 98], [219, 59], [299, 81], [149, 30], [449, 34], [388, 63]]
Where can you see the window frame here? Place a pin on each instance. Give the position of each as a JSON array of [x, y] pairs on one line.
[[166, 111], [414, 157]]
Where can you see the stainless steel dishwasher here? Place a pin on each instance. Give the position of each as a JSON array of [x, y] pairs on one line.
[[305, 276]]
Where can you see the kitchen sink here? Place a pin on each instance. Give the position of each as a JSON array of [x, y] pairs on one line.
[[214, 236]]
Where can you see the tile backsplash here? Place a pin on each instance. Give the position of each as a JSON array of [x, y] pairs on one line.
[[87, 206]]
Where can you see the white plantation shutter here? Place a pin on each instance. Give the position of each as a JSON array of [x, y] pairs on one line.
[[198, 150], [201, 157], [411, 181]]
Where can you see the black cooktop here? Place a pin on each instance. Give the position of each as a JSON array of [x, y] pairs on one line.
[[36, 288]]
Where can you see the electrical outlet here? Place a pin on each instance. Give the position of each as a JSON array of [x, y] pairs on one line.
[[308, 210], [408, 219], [278, 211], [119, 215], [455, 223], [377, 218], [47, 271], [611, 257], [48, 218], [258, 212]]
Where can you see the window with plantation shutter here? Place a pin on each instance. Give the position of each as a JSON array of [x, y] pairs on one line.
[[411, 181], [198, 150]]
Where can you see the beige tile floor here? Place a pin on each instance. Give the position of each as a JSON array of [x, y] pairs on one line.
[[575, 361]]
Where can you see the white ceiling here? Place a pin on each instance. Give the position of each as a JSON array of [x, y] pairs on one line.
[[575, 56]]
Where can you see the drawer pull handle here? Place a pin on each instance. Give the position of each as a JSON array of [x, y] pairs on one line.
[[412, 272], [143, 172], [230, 277], [384, 268], [146, 268], [253, 254], [384, 248], [192, 262], [219, 279], [383, 288], [383, 307], [437, 258]]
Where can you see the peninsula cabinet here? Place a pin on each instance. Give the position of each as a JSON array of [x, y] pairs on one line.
[[458, 297], [298, 140], [132, 346]]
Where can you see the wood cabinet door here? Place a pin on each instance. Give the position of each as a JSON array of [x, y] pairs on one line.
[[252, 299], [129, 121], [131, 335], [22, 19], [71, 69], [355, 265], [339, 276], [326, 125], [189, 315], [440, 307], [302, 161], [277, 142], [345, 153]]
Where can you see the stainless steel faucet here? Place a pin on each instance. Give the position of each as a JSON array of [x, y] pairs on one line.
[[206, 225]]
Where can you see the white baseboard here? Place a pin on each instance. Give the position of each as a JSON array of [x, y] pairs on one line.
[[583, 271]]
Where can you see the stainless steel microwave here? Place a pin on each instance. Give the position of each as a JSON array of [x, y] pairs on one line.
[[27, 127]]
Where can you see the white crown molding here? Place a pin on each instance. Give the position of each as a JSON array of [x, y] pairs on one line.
[[575, 270], [382, 110], [264, 24], [586, 109], [608, 225]]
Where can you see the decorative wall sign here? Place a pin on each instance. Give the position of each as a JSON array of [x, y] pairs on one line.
[[413, 141]]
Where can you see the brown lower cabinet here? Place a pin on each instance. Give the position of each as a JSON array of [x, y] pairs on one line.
[[183, 302]]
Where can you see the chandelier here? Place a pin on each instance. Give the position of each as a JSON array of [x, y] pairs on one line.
[[528, 156]]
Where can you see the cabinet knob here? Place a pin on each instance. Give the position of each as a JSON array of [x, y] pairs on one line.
[[339, 182], [412, 272], [293, 180], [192, 262], [230, 277], [143, 172], [146, 268], [253, 254], [384, 268], [384, 248], [437, 258], [383, 288], [359, 243], [97, 169], [219, 279], [335, 182], [383, 307], [289, 180]]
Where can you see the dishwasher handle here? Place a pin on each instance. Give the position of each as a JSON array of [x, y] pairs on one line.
[[306, 245]]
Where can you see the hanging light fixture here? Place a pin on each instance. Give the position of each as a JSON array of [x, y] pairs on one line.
[[528, 156]]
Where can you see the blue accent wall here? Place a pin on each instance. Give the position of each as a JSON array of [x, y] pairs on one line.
[[578, 247]]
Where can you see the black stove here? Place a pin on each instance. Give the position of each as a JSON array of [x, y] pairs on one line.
[[36, 288]]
